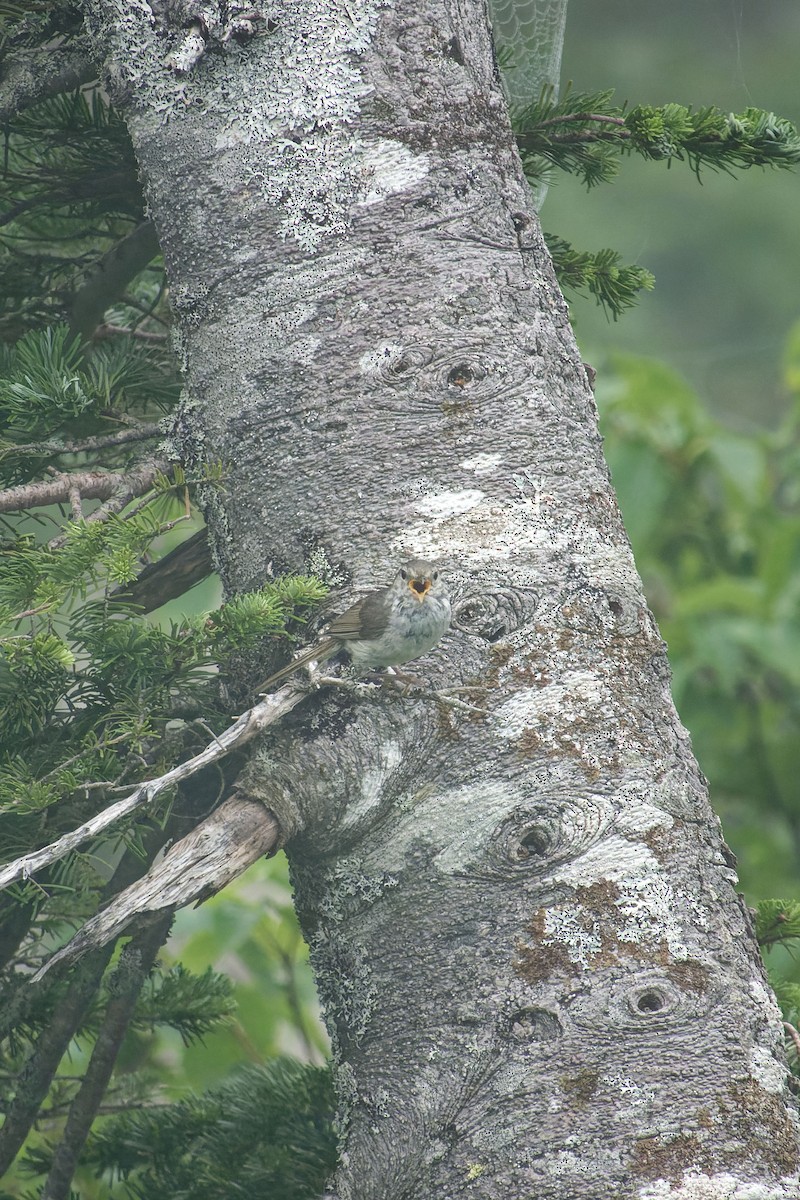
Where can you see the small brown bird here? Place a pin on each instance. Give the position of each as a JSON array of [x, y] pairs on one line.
[[387, 627]]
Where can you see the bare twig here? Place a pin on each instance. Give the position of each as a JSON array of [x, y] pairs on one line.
[[218, 850], [260, 717], [135, 482]]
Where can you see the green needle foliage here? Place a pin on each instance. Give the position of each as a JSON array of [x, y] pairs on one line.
[[268, 1131], [46, 380], [615, 287], [586, 135], [68, 192], [778, 924]]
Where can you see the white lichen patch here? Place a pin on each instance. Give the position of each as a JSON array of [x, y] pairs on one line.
[[475, 811], [634, 1095], [575, 929], [529, 526], [594, 1162], [373, 361], [651, 909], [565, 717], [766, 1070], [449, 504], [482, 464], [390, 167], [723, 1186], [293, 98]]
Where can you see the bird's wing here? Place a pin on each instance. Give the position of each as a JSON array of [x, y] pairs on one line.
[[366, 619]]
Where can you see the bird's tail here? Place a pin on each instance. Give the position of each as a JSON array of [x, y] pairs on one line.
[[317, 653]]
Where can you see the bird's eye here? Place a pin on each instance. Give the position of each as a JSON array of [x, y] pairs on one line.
[[435, 576], [404, 574]]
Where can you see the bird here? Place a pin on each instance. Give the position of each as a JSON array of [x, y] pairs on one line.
[[385, 628]]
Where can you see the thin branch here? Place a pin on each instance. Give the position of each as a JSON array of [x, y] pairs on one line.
[[268, 712], [586, 116], [217, 851], [100, 442], [49, 1050], [590, 135], [110, 509], [92, 485], [135, 964]]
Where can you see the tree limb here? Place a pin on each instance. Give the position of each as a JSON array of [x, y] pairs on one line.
[[91, 485], [240, 831], [110, 277], [268, 712], [135, 964], [171, 576], [34, 75], [102, 441]]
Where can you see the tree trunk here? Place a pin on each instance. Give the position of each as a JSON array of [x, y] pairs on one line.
[[537, 974]]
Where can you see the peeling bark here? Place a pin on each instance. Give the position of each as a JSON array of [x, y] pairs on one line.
[[537, 974]]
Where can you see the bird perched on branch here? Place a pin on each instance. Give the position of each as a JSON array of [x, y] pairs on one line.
[[387, 627]]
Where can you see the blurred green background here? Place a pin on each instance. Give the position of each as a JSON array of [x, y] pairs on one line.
[[726, 254]]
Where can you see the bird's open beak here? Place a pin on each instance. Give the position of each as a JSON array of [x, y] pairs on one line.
[[419, 588]]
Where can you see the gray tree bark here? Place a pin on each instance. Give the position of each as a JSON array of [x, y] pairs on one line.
[[537, 974]]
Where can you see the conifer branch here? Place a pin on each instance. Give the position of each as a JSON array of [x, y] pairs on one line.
[[586, 134], [121, 486], [614, 285], [267, 712], [103, 441]]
